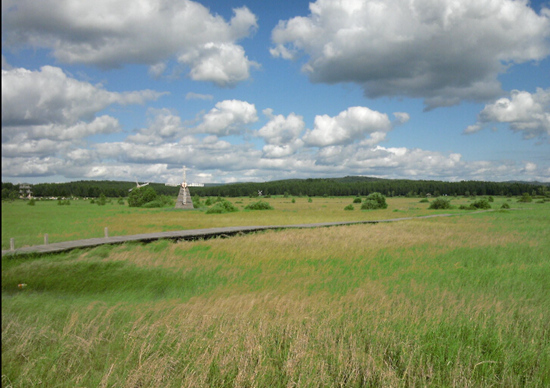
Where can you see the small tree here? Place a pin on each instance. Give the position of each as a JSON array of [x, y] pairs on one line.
[[349, 207], [440, 203], [374, 201], [141, 195], [525, 198], [357, 200], [222, 206], [102, 200]]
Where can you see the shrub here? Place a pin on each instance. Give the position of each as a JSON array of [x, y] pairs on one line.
[[440, 203], [349, 207], [153, 204], [525, 198], [141, 195], [209, 201], [374, 201], [357, 200], [196, 201], [481, 204], [310, 200], [120, 201], [424, 200], [31, 202], [505, 206], [293, 200], [260, 205], [222, 206], [102, 200]]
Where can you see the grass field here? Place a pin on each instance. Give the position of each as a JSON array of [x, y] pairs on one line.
[[81, 220], [455, 302]]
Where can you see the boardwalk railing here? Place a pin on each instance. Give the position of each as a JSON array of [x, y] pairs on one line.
[[194, 234]]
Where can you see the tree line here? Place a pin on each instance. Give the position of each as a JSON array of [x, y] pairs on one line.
[[363, 186], [347, 186]]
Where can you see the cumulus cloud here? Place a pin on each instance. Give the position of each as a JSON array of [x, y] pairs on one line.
[[111, 34], [281, 134], [526, 113], [443, 51], [46, 112], [228, 117], [49, 96], [353, 124]]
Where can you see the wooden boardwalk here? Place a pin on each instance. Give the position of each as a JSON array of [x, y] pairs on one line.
[[193, 234]]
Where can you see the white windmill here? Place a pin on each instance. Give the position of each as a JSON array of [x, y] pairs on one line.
[[184, 197], [138, 185]]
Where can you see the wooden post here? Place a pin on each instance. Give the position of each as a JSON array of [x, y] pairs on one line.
[[106, 232], [12, 244], [46, 239]]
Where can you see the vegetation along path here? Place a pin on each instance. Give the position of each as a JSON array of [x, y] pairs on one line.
[[193, 234]]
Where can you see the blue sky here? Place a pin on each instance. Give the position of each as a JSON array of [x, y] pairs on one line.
[[258, 91]]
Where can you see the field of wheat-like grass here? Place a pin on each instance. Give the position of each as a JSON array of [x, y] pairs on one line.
[[458, 301]]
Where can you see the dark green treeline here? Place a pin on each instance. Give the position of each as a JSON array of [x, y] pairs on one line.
[[347, 186]]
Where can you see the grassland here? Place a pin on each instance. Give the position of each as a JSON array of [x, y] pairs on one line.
[[456, 302], [81, 220]]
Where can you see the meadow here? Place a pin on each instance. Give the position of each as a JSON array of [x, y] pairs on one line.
[[459, 301]]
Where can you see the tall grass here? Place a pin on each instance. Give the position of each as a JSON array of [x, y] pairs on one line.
[[82, 220], [462, 301]]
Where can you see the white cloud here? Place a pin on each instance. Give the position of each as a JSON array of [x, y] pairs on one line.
[[198, 96], [224, 64], [526, 113], [112, 33], [349, 126], [228, 117], [49, 96], [443, 51], [280, 130], [46, 113]]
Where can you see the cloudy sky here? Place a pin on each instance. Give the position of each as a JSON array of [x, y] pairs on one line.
[[244, 90]]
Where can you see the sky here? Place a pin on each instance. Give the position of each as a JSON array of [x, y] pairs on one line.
[[254, 91]]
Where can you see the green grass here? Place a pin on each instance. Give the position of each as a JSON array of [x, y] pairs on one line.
[[443, 302], [82, 220]]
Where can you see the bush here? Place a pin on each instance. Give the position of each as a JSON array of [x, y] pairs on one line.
[[310, 200], [31, 202], [349, 207], [222, 206], [209, 201], [102, 200], [481, 204], [440, 203], [120, 201], [260, 205], [141, 195], [357, 200], [424, 200], [505, 206], [196, 201], [374, 201], [525, 198]]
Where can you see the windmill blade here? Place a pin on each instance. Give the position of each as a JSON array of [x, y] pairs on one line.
[[145, 184]]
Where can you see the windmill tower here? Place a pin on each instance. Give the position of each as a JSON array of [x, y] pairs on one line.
[[184, 200]]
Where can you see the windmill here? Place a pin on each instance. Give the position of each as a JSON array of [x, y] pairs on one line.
[[184, 197], [138, 185]]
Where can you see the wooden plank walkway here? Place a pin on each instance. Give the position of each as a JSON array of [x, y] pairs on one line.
[[193, 234]]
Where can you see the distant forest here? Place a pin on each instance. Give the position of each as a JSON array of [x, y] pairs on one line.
[[347, 186]]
